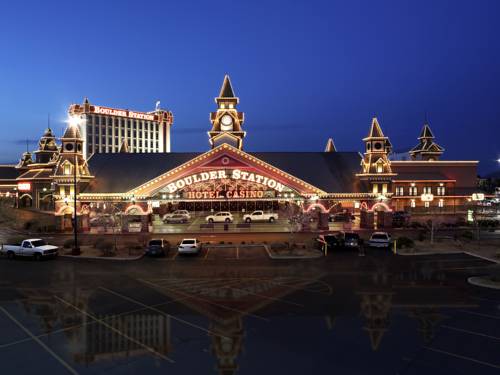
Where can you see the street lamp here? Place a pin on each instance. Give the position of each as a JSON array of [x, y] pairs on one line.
[[427, 198], [476, 197]]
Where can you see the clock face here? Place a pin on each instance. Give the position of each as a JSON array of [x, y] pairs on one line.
[[226, 123]]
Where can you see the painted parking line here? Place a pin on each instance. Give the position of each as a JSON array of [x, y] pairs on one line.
[[269, 298], [40, 342], [70, 328], [148, 348], [162, 312], [206, 254], [479, 314], [470, 332], [306, 282], [245, 313], [470, 359]]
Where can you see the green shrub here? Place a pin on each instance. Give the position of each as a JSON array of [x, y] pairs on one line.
[[12, 240], [468, 235], [31, 225], [69, 243], [404, 242], [106, 247]]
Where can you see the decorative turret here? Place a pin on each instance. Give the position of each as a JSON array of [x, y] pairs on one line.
[[330, 146], [25, 160], [375, 166], [226, 121], [47, 147], [70, 162], [427, 149]]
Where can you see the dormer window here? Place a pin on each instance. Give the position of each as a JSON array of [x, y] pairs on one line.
[[67, 169], [380, 168]]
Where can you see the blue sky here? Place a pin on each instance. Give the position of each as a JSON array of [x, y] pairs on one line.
[[304, 70]]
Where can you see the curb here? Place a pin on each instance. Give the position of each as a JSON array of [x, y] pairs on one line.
[[288, 257], [118, 259], [480, 281]]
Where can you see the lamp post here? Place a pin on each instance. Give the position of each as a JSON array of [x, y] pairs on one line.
[[476, 197], [427, 199], [76, 249]]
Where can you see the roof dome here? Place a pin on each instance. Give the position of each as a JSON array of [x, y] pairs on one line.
[[72, 132]]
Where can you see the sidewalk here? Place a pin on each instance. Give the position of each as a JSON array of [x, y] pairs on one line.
[[486, 249], [89, 252]]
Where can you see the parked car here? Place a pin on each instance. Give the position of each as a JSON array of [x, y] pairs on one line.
[[176, 219], [330, 240], [380, 239], [345, 217], [34, 247], [349, 240], [157, 248], [220, 217], [260, 216], [184, 213], [189, 246]]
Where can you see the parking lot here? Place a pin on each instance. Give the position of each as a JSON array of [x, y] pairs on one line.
[[197, 224], [220, 252]]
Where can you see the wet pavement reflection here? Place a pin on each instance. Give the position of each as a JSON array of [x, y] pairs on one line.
[[348, 314]]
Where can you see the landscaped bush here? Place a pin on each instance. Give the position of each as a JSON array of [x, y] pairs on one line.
[[468, 235], [31, 225], [404, 242], [69, 243], [98, 241], [107, 248], [12, 240]]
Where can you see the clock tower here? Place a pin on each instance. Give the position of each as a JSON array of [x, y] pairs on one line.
[[226, 121]]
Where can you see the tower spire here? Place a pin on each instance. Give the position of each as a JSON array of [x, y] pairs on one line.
[[330, 146], [427, 148], [227, 121], [226, 90]]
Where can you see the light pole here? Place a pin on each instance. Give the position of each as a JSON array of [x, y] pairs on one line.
[[427, 199], [76, 249], [476, 197]]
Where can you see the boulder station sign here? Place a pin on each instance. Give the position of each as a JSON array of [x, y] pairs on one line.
[[222, 174]]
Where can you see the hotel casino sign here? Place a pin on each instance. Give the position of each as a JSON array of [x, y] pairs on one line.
[[226, 184]]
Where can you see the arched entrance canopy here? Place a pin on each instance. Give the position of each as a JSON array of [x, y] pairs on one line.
[[222, 164]]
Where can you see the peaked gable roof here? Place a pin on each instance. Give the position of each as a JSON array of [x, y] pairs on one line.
[[426, 132], [375, 130], [122, 172], [226, 91]]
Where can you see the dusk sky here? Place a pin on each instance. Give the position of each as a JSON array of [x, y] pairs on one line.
[[304, 70]]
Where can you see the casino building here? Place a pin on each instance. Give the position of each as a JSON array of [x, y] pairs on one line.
[[108, 130], [139, 182]]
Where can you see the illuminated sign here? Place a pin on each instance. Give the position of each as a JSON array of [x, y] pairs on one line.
[[24, 186], [235, 174], [123, 113], [427, 197], [478, 197], [232, 194]]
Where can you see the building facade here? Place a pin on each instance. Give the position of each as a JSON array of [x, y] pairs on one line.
[[140, 185], [109, 130]]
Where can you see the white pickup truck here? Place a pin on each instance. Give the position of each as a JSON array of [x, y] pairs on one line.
[[260, 216], [34, 247]]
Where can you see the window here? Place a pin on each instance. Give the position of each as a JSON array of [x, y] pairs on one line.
[[412, 190], [441, 190], [375, 188], [67, 169], [400, 190], [380, 168], [441, 203], [384, 188], [412, 203], [427, 190], [427, 204]]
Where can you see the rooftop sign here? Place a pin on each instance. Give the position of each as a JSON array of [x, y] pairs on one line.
[[122, 113]]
